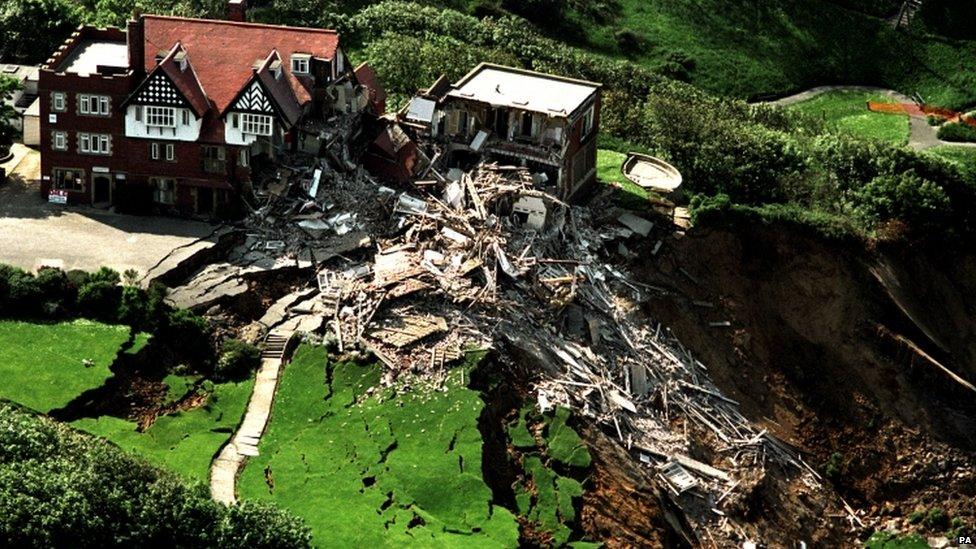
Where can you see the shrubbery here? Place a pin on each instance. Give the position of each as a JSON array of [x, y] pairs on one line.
[[957, 131], [237, 360], [62, 488]]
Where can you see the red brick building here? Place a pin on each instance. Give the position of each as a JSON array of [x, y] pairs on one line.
[[172, 113]]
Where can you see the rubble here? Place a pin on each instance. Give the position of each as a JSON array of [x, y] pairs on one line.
[[479, 259]]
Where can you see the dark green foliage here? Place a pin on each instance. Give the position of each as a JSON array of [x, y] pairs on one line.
[[7, 113], [628, 41], [191, 334], [99, 300], [958, 132], [60, 488], [936, 519], [237, 360], [31, 29], [544, 13], [834, 467], [953, 18]]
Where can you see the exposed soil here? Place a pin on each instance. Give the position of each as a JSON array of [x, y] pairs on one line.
[[833, 347]]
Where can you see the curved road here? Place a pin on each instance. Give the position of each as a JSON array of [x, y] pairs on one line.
[[921, 135]]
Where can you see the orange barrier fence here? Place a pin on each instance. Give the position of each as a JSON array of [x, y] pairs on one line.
[[912, 109]]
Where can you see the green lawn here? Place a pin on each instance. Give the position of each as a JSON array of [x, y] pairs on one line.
[[185, 442], [846, 111], [42, 364], [629, 194], [376, 471], [964, 157]]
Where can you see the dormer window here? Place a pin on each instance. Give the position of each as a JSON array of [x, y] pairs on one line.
[[300, 63], [275, 69], [181, 61]]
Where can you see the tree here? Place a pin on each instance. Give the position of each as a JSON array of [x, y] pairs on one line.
[[7, 113], [31, 29]]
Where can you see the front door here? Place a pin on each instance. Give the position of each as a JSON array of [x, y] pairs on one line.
[[101, 189], [501, 122], [205, 200]]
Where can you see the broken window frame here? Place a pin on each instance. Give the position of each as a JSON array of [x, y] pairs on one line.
[[587, 121], [214, 158]]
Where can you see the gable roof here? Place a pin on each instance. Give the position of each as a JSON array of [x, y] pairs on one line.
[[186, 81], [224, 51], [282, 94]]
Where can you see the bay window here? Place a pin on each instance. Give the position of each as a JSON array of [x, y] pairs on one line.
[[256, 124]]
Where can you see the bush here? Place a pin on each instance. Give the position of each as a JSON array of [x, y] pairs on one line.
[[237, 360], [190, 334], [628, 41], [56, 291], [99, 300], [936, 519], [958, 132], [62, 488]]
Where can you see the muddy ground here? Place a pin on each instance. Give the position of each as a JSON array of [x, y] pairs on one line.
[[836, 348]]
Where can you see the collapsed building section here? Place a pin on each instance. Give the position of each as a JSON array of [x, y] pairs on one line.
[[545, 123]]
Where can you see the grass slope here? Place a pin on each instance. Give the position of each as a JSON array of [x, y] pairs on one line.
[[376, 471], [756, 48], [846, 111], [185, 442], [41, 364]]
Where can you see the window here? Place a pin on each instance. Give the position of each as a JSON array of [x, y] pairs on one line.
[[256, 124], [164, 190], [154, 151], [161, 117], [69, 180], [526, 125], [463, 122], [59, 102], [59, 141], [186, 117], [93, 105], [170, 152], [244, 158], [138, 113], [94, 143], [235, 120], [214, 159], [587, 122], [299, 64]]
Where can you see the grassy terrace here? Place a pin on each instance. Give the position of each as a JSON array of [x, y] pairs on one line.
[[187, 441], [846, 111], [42, 364], [376, 471]]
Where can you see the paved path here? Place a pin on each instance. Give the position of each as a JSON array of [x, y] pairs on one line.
[[921, 135], [244, 443]]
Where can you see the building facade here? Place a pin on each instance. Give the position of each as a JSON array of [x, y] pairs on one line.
[[544, 122], [175, 114]]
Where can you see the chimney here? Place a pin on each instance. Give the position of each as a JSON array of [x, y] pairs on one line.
[[237, 10], [136, 41]]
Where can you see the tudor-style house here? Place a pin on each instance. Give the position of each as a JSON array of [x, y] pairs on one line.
[[172, 113], [545, 122]]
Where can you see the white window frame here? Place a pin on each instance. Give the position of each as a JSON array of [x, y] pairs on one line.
[[164, 190], [170, 152], [301, 64], [59, 141], [160, 117], [185, 117], [244, 158], [154, 151], [587, 122], [256, 124], [93, 105], [59, 102], [95, 143]]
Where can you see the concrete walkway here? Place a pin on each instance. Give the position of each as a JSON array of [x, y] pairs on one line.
[[921, 135], [244, 443]]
